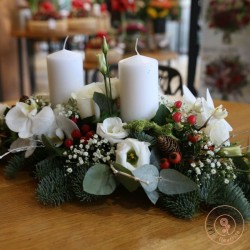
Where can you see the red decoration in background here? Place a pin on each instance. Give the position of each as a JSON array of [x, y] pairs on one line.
[[227, 75], [123, 5]]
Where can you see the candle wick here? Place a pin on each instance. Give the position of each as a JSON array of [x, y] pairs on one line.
[[136, 43], [66, 39]]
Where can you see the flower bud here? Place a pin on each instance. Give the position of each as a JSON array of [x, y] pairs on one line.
[[102, 64], [231, 151], [105, 46]]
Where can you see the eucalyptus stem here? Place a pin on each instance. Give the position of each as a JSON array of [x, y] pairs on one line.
[[115, 171]]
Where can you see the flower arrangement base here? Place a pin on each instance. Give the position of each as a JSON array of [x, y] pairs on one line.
[[113, 56], [45, 26], [83, 24]]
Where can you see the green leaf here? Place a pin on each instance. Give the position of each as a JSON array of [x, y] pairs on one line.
[[161, 115], [173, 182], [148, 173], [99, 180], [128, 183], [51, 148], [102, 101]]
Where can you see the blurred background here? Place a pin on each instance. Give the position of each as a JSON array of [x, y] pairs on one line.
[[204, 41]]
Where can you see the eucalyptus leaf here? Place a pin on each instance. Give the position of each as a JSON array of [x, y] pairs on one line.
[[153, 196], [99, 180], [161, 115], [127, 182], [148, 173], [173, 182]]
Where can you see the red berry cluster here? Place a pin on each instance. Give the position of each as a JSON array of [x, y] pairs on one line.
[[82, 135], [173, 158]]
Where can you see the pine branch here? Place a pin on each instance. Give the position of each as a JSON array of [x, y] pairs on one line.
[[77, 186], [181, 205], [214, 192], [14, 165], [46, 166], [53, 189], [233, 195]]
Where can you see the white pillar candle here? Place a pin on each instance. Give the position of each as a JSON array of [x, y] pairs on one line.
[[65, 75], [139, 87]]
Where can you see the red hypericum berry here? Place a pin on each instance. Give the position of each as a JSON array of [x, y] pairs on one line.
[[176, 116], [73, 119], [211, 148], [76, 134], [68, 143], [191, 119], [193, 138], [83, 140], [175, 157], [164, 163], [89, 134], [178, 104], [85, 128]]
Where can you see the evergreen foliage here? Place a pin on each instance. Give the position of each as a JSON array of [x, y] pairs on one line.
[[44, 167], [53, 188], [181, 205], [14, 165]]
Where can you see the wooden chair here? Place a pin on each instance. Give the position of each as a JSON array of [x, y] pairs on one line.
[[166, 76]]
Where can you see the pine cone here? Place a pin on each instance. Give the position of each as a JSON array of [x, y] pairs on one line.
[[167, 145]]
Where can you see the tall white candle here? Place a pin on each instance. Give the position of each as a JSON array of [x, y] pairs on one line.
[[65, 75], [139, 87]]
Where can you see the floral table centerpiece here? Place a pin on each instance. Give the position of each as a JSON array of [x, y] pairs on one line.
[[46, 17], [86, 15], [178, 152], [227, 75], [228, 16]]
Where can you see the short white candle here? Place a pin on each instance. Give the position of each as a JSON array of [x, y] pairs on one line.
[[65, 75], [139, 87]]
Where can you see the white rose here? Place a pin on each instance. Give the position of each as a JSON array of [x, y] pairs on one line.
[[131, 153], [84, 97], [112, 129]]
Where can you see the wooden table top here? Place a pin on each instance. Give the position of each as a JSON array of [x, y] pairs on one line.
[[123, 221]]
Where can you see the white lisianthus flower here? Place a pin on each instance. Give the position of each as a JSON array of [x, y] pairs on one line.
[[27, 121], [131, 153], [112, 129]]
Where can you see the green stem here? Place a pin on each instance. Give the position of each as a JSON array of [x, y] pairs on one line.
[[108, 91], [107, 98]]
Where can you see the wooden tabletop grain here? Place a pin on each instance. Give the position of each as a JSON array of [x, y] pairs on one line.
[[123, 221]]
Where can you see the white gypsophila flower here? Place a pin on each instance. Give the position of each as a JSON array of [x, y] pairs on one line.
[[198, 171], [131, 153], [112, 130], [213, 171], [226, 181], [27, 121]]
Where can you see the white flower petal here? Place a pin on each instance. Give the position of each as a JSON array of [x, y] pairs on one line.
[[15, 119], [42, 121], [66, 125]]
